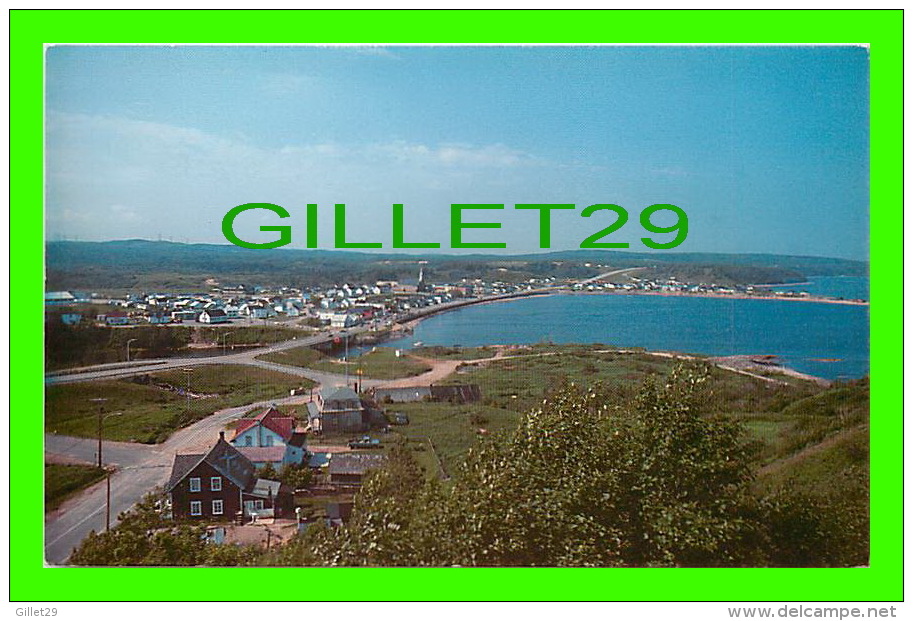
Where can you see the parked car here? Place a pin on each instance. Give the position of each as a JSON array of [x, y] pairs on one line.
[[398, 418], [365, 442]]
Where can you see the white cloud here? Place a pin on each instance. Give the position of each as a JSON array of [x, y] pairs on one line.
[[143, 179]]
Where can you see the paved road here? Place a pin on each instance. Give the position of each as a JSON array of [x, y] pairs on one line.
[[607, 274], [126, 369], [140, 468]]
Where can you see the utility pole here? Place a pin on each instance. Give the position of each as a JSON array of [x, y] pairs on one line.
[[128, 348], [100, 401], [108, 502], [188, 372], [347, 358], [224, 338]]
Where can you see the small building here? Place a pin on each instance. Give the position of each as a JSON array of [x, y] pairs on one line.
[[213, 315], [270, 429], [184, 315], [222, 483], [339, 411], [117, 318], [260, 456], [349, 469], [407, 394], [59, 298], [463, 393]]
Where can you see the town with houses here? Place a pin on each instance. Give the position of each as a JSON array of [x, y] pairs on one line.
[[234, 482], [348, 305]]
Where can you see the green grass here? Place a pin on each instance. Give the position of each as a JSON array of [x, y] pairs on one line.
[[246, 335], [821, 468], [296, 357], [512, 386], [381, 363], [150, 414], [455, 353], [452, 428], [88, 344], [64, 481]]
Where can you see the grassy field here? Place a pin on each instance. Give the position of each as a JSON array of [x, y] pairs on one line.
[[88, 344], [453, 429], [779, 420], [296, 357], [381, 363], [245, 335], [454, 353], [150, 414], [63, 481]]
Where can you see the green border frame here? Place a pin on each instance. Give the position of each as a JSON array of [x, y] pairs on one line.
[[882, 30]]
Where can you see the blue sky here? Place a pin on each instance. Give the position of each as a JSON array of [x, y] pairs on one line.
[[765, 148]]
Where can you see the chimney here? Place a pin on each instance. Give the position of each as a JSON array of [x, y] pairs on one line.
[[222, 436]]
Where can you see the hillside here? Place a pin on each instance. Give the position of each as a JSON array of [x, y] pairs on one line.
[[133, 265]]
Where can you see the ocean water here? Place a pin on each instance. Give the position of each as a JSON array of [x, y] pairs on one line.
[[826, 340], [847, 287]]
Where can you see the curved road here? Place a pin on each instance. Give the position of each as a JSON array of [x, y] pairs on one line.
[[139, 467], [142, 467]]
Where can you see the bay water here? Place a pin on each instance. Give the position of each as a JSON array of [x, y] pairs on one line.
[[825, 340]]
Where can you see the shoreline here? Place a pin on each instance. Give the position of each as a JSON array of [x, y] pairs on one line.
[[408, 326]]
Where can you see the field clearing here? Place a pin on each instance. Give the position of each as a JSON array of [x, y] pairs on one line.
[[381, 363], [62, 481], [139, 412], [454, 353], [518, 382]]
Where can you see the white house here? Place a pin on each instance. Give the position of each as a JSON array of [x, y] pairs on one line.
[[213, 315]]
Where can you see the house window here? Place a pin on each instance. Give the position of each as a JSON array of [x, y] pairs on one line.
[[217, 507], [195, 484], [215, 484], [258, 504], [196, 507]]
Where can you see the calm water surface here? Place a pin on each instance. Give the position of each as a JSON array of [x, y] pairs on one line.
[[800, 333]]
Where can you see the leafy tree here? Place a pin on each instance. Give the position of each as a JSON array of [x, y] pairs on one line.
[[268, 472], [580, 482], [387, 510], [296, 476]]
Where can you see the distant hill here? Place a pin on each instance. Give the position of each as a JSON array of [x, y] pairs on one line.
[[156, 265]]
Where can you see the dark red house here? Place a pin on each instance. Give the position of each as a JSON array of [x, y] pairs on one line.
[[221, 483]]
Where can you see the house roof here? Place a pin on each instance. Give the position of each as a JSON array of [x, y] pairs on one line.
[[355, 463], [341, 393], [265, 488], [59, 295], [259, 454], [317, 460], [215, 312], [223, 457], [272, 419], [182, 466]]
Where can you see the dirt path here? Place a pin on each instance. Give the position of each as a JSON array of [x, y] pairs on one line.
[[439, 370]]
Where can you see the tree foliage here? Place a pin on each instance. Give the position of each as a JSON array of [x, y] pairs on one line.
[[579, 483], [584, 480]]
